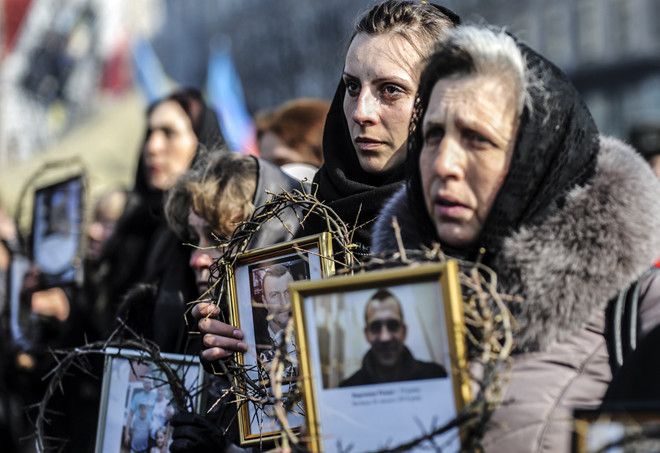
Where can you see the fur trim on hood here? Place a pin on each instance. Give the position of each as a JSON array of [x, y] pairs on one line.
[[567, 268]]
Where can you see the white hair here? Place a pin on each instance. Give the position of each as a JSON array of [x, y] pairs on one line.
[[493, 51]]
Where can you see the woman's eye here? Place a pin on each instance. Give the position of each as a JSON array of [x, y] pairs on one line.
[[169, 132], [352, 87], [434, 135], [210, 236], [390, 90], [193, 238], [476, 138]]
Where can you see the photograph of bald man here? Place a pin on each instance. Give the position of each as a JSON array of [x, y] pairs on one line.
[[388, 358]]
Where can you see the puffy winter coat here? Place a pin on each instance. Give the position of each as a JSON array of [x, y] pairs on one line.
[[568, 267]]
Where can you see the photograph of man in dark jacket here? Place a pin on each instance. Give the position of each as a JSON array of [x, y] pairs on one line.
[[276, 300], [388, 359]]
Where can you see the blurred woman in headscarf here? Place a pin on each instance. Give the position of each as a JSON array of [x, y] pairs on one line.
[[180, 127]]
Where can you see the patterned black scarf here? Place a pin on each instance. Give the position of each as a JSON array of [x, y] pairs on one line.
[[556, 150]]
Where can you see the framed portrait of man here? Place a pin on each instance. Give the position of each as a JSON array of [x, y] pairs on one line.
[[630, 428], [137, 400], [259, 304], [382, 357], [57, 230]]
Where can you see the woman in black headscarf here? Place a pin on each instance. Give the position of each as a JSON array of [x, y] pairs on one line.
[[364, 140], [504, 155], [142, 249]]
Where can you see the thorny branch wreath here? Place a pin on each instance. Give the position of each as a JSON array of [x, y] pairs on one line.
[[267, 392], [489, 322], [122, 338], [489, 338]]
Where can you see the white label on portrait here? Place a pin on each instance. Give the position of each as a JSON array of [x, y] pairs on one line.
[[385, 415], [361, 415]]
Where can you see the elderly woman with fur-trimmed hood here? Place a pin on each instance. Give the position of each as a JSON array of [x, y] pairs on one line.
[[504, 155]]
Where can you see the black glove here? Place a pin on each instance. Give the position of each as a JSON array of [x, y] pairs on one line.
[[195, 434]]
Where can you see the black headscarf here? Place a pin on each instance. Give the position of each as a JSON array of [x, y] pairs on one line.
[[204, 124], [342, 184], [142, 227], [556, 147]]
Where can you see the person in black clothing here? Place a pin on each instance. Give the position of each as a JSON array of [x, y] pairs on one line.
[[97, 288], [388, 359], [180, 128], [365, 133], [364, 139], [203, 208], [636, 383], [207, 204]]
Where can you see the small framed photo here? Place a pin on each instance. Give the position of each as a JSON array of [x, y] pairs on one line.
[[57, 230], [259, 304], [616, 430], [137, 400], [382, 357]]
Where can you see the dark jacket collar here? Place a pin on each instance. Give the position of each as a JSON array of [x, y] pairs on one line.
[[603, 237], [406, 368]]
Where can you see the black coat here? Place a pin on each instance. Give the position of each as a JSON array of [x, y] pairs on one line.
[[408, 369], [143, 250], [637, 383]]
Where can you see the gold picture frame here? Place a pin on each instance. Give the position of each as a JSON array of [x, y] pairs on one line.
[[360, 312], [262, 321], [607, 430]]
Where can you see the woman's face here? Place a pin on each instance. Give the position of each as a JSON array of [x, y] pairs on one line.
[[205, 252], [170, 146], [381, 74], [469, 135]]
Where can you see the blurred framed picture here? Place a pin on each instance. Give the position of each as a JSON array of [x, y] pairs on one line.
[[57, 230], [382, 357], [18, 309], [259, 304], [137, 400], [616, 431]]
